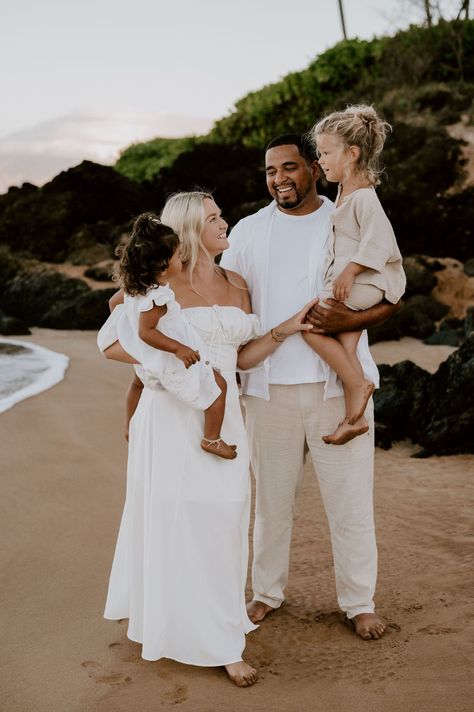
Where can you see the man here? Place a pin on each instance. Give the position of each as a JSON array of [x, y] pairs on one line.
[[291, 402]]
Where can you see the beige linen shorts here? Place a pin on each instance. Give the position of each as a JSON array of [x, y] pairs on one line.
[[361, 296]]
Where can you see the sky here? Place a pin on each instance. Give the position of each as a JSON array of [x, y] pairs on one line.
[[88, 77]]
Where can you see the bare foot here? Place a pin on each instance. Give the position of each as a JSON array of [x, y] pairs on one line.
[[257, 610], [359, 399], [241, 674], [368, 626], [220, 448], [345, 432]]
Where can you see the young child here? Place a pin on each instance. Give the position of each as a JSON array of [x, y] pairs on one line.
[[147, 261], [364, 264]]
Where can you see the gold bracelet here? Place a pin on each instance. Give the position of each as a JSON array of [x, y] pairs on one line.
[[275, 334]]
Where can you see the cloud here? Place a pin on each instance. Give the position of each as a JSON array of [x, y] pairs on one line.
[[38, 154]]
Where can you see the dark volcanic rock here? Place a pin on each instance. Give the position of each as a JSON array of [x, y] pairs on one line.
[[42, 297], [43, 221], [10, 326], [416, 317], [402, 390], [446, 337], [30, 294], [436, 411], [102, 271], [469, 322], [451, 333], [10, 264], [88, 311], [469, 267], [420, 279], [450, 426]]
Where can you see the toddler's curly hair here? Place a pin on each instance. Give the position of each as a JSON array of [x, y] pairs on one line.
[[359, 126], [147, 252]]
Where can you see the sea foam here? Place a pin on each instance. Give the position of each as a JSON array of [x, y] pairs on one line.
[[27, 369]]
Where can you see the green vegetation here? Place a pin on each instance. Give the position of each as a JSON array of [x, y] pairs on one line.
[[423, 75], [143, 161], [388, 71]]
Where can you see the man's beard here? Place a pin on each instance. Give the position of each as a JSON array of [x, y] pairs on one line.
[[289, 203]]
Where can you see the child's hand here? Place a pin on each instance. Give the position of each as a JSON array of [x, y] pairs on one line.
[[187, 355], [342, 285]]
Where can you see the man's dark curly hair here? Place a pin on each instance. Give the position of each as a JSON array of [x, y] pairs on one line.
[[147, 252]]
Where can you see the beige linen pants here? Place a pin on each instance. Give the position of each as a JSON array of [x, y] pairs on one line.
[[277, 431]]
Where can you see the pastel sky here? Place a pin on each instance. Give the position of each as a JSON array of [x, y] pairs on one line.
[[117, 71]]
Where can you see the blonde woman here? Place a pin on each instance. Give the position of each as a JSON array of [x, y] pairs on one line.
[[181, 560]]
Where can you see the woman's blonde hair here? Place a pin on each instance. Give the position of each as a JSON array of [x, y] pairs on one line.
[[184, 213], [358, 126]]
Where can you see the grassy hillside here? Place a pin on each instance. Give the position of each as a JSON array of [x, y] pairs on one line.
[[421, 75]]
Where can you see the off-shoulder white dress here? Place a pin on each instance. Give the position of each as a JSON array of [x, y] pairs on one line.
[[181, 559]]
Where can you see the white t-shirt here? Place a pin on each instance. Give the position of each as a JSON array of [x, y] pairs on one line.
[[289, 289], [278, 281]]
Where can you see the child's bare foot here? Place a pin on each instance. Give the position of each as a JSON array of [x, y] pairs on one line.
[[345, 432], [241, 674], [220, 448], [359, 399]]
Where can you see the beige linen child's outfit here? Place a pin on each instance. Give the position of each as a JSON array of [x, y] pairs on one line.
[[361, 232]]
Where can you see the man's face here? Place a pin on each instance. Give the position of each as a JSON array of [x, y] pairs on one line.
[[290, 179]]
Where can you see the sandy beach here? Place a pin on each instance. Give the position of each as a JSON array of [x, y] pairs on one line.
[[63, 485]]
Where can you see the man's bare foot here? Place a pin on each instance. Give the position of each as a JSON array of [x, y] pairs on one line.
[[359, 399], [257, 610], [345, 432], [368, 626], [220, 448], [241, 674]]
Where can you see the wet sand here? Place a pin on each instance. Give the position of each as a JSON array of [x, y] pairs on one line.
[[63, 484]]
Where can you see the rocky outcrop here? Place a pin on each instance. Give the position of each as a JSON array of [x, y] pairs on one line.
[[416, 317], [90, 199], [102, 271], [10, 326], [42, 297], [436, 411], [469, 267], [420, 278]]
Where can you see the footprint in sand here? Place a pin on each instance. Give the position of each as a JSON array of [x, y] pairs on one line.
[[437, 630], [96, 672], [178, 694]]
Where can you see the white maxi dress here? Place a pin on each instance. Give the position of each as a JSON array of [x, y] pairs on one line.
[[180, 563]]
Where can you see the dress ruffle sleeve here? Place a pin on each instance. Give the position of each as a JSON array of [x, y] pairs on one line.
[[159, 296]]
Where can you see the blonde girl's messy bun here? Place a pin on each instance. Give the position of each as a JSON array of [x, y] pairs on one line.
[[358, 126]]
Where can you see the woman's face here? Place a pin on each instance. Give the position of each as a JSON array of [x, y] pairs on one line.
[[214, 234]]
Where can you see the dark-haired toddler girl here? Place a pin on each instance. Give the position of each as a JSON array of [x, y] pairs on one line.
[[171, 354]]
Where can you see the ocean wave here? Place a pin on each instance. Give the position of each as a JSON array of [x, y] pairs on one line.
[[27, 369]]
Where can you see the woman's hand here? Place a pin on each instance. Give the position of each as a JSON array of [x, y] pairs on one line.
[[296, 322], [257, 350]]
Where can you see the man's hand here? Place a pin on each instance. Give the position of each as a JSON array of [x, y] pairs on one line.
[[335, 317], [332, 318]]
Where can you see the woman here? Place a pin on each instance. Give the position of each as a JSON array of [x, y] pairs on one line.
[[181, 559]]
